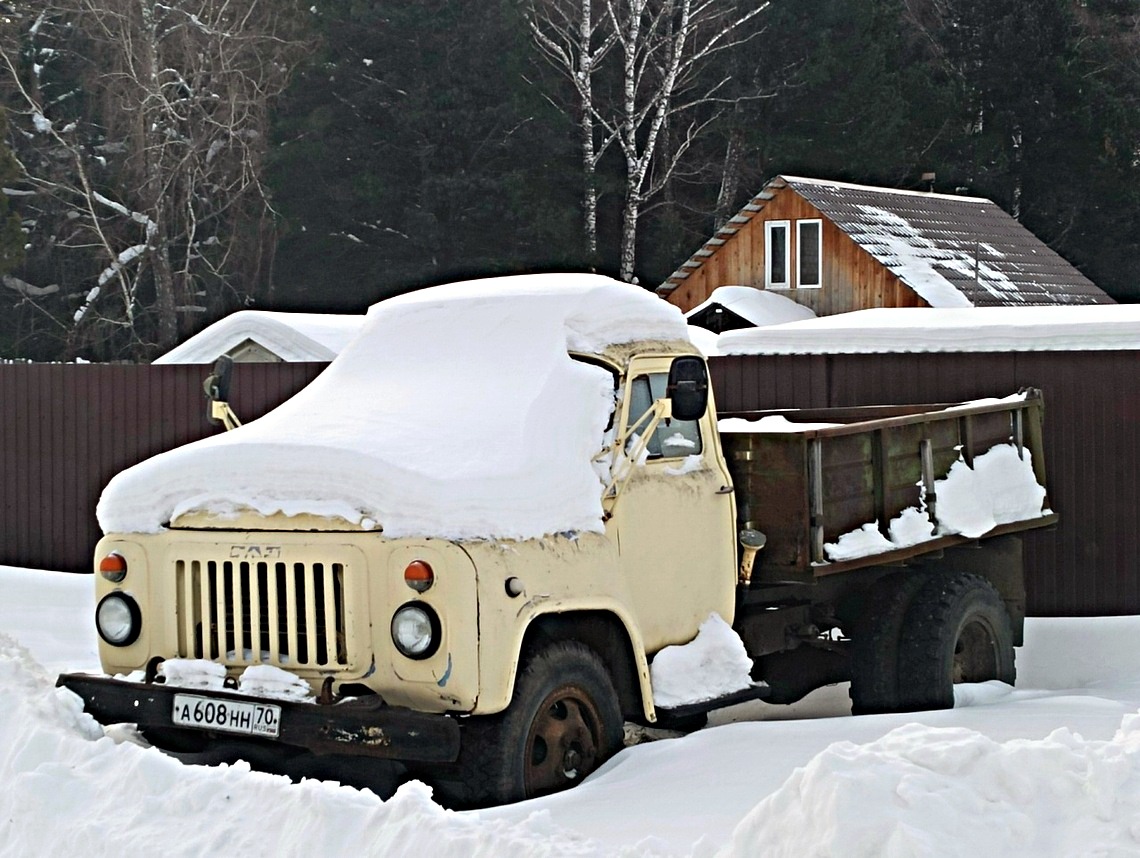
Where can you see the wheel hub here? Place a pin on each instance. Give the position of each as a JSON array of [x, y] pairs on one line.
[[563, 743]]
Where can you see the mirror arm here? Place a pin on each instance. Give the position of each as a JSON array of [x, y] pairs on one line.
[[220, 412], [651, 418]]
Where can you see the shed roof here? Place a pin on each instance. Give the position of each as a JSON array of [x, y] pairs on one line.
[[755, 306], [953, 251], [290, 336]]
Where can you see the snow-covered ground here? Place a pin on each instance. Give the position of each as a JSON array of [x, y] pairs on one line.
[[1049, 769]]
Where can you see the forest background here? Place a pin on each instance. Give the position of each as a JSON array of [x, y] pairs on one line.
[[169, 162]]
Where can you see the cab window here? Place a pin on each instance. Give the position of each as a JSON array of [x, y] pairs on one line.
[[673, 438]]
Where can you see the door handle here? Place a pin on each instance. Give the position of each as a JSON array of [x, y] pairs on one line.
[[725, 490]]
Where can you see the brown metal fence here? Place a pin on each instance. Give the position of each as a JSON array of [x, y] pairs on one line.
[[66, 429], [1087, 566]]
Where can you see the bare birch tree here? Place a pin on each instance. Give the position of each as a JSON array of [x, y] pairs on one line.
[[141, 127], [662, 50], [574, 37]]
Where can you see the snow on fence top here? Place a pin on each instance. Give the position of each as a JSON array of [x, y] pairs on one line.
[[1098, 327], [456, 412]]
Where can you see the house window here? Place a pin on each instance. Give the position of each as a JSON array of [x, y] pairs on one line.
[[777, 256], [809, 253]]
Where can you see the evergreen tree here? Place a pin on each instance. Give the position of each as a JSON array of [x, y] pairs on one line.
[[414, 151]]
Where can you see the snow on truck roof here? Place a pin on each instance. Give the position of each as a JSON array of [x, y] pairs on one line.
[[456, 412], [1094, 327]]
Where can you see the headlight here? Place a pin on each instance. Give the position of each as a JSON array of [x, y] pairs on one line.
[[416, 630], [118, 619]]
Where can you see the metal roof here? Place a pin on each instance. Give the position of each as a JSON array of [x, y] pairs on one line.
[[951, 250]]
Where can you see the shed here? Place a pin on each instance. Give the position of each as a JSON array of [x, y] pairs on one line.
[[732, 307], [264, 336], [837, 247]]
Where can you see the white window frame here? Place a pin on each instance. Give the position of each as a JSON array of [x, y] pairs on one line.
[[800, 253], [769, 228]]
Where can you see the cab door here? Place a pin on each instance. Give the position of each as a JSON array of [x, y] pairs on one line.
[[675, 516]]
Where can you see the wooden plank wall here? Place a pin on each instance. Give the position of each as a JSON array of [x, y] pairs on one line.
[[852, 278], [1087, 566], [67, 429]]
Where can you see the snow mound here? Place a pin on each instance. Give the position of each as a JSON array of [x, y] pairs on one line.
[[1000, 488], [68, 789], [952, 791], [711, 665], [455, 413]]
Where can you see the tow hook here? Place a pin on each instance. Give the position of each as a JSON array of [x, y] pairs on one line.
[[150, 675], [326, 697]]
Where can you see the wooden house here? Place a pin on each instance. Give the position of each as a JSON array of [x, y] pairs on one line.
[[836, 247]]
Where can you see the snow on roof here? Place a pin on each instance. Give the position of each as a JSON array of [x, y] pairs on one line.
[[290, 336], [975, 329], [757, 306], [456, 412], [703, 339], [953, 251]]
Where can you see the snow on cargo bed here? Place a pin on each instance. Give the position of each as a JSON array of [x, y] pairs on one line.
[[455, 413]]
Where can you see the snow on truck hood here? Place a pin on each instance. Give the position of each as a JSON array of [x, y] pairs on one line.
[[456, 412]]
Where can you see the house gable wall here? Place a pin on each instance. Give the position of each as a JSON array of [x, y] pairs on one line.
[[852, 278]]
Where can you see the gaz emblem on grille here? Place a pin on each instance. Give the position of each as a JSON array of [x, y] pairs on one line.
[[254, 552]]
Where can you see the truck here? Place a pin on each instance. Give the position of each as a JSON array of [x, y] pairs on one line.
[[466, 552]]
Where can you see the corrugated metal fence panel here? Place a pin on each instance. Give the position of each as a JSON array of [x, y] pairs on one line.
[[1087, 566], [67, 429]]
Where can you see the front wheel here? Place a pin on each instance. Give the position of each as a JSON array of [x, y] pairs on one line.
[[564, 721], [956, 630]]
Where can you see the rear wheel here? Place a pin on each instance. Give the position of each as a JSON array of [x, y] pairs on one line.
[[564, 721], [956, 630], [875, 644]]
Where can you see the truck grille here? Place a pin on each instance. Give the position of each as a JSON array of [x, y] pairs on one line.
[[252, 612]]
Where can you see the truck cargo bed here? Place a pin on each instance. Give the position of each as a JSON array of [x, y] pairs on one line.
[[807, 478]]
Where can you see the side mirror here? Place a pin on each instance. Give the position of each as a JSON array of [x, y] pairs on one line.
[[217, 383], [688, 387], [217, 389]]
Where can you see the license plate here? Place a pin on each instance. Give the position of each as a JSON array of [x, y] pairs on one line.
[[230, 716]]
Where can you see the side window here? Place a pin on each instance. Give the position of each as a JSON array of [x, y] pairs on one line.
[[680, 438], [809, 247], [777, 254]]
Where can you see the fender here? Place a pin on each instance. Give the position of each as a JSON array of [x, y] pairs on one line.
[[539, 607]]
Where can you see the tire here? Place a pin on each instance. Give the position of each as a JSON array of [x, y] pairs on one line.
[[875, 644], [957, 630], [563, 722]]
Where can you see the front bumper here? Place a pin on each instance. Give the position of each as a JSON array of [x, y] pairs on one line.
[[364, 726]]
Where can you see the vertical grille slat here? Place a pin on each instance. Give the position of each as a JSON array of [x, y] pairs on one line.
[[251, 612], [272, 609], [206, 601], [292, 638], [330, 651], [256, 613]]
